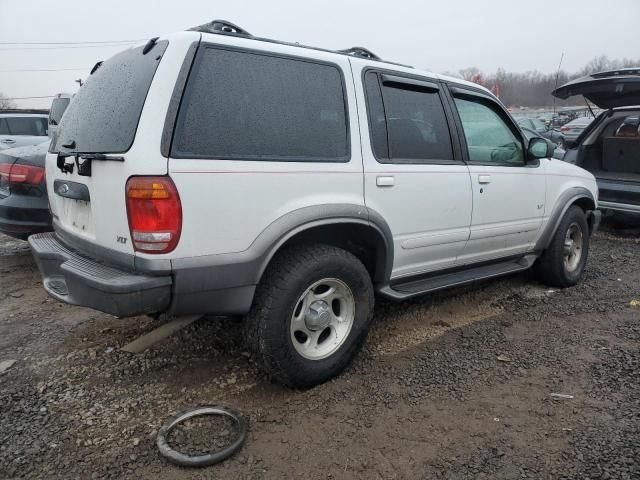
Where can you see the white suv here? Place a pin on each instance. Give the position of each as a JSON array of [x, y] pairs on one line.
[[212, 172]]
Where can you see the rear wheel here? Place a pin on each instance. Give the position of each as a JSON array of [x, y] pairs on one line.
[[562, 263], [311, 314]]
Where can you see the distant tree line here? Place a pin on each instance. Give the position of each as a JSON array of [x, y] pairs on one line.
[[533, 89]]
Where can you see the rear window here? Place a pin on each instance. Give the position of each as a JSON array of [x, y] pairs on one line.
[[104, 114], [241, 105], [33, 126], [58, 106]]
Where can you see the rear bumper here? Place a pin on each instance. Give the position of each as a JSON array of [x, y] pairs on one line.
[[73, 278], [21, 222]]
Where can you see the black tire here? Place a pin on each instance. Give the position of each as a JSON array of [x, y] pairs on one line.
[[287, 278], [551, 266]]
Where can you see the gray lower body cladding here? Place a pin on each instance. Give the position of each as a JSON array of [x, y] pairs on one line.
[[73, 277]]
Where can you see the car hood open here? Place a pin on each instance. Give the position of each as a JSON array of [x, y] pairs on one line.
[[616, 88]]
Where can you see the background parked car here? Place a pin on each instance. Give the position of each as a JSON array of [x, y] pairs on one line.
[[542, 129], [558, 151], [609, 147], [24, 207], [20, 128], [574, 128], [58, 107]]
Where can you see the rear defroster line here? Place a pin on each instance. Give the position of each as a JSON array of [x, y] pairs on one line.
[[211, 458]]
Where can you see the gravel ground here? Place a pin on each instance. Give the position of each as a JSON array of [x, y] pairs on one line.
[[451, 386]]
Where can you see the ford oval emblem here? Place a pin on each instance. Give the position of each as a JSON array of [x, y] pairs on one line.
[[62, 189]]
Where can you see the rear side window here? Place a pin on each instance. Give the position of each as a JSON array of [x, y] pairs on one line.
[[242, 105], [104, 114], [32, 126], [408, 124]]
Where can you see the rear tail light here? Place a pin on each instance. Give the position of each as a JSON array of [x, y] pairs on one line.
[[155, 214], [564, 129], [22, 174]]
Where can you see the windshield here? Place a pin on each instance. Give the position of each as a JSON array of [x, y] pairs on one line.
[[104, 114], [32, 126]]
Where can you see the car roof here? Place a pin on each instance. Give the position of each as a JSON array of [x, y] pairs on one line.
[[20, 114], [215, 30]]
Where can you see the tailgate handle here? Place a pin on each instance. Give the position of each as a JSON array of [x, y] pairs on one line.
[[73, 190]]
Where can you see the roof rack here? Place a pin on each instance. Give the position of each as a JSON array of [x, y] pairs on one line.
[[360, 52], [223, 27], [43, 111]]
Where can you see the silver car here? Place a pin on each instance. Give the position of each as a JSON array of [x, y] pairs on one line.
[[21, 128], [574, 128]]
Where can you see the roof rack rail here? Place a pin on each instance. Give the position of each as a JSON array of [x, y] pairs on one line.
[[43, 111], [222, 26], [360, 52]]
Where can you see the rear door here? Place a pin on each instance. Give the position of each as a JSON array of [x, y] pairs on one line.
[[508, 194], [617, 88], [118, 115], [414, 174]]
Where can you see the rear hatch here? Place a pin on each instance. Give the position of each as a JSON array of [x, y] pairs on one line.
[[616, 88], [110, 132]]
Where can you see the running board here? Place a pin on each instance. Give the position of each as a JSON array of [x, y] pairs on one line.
[[412, 288]]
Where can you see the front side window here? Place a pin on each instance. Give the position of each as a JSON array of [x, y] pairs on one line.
[[489, 138], [252, 106], [408, 124]]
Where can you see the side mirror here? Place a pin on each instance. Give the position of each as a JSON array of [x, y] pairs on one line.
[[539, 148]]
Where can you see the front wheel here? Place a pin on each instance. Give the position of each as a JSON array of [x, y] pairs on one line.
[[311, 314], [562, 263]]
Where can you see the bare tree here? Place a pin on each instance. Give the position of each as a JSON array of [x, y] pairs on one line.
[[5, 102]]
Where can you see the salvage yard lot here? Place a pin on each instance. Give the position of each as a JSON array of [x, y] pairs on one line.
[[454, 385]]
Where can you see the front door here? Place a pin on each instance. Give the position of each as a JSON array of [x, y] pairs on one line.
[[414, 174], [508, 192]]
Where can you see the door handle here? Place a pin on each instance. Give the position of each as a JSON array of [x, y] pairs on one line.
[[385, 181], [484, 179]]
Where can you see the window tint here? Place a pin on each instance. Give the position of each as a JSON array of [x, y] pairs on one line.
[[489, 138], [104, 114], [407, 125], [242, 105], [34, 126]]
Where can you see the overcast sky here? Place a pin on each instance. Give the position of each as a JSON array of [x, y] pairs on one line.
[[438, 36]]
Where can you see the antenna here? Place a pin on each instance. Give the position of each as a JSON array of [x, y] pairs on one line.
[[556, 87]]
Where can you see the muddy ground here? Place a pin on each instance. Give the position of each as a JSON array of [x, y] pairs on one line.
[[451, 386]]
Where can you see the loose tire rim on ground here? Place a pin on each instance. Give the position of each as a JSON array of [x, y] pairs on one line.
[[185, 460], [322, 319], [573, 247]]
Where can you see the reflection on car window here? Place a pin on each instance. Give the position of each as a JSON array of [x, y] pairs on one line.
[[489, 139], [539, 125]]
